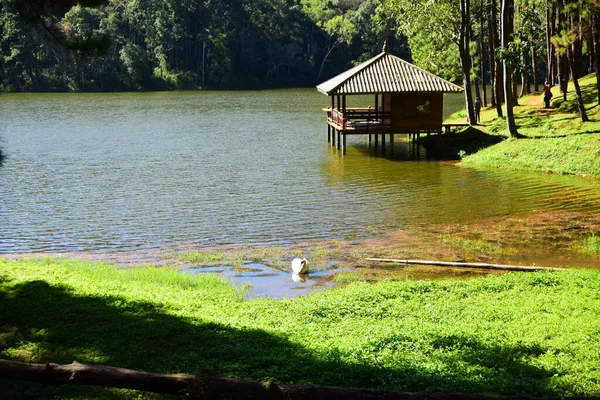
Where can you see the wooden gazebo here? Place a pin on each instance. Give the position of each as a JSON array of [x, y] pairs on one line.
[[408, 100]]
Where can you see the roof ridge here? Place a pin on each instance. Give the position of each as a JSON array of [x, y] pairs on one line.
[[351, 72], [391, 74], [424, 70]]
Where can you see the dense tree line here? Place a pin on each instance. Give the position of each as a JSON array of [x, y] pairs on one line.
[[162, 44], [503, 42]]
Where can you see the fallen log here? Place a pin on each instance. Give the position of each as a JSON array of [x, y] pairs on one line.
[[207, 387], [466, 264]]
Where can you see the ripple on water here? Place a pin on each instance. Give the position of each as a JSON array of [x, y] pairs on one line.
[[154, 170]]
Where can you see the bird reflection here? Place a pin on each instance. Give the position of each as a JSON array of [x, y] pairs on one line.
[[299, 277]]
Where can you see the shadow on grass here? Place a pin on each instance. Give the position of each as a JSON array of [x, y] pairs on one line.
[[454, 146], [559, 136], [588, 95], [52, 324]]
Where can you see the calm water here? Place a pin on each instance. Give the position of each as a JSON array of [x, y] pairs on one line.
[[122, 172]]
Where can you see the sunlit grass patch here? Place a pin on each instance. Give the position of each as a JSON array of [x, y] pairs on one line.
[[474, 245], [517, 334], [214, 257], [347, 277], [550, 137], [590, 245]]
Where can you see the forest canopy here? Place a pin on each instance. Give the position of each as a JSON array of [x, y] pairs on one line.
[[117, 45], [167, 44]]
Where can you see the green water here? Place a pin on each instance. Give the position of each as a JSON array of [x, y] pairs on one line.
[[132, 172]]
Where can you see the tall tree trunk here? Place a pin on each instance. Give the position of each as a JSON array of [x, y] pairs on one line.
[[563, 75], [562, 63], [507, 32], [535, 71], [553, 29], [524, 81], [575, 66], [481, 57], [492, 52], [515, 88], [590, 46], [498, 80], [549, 47], [596, 22], [465, 58], [580, 104], [477, 88]]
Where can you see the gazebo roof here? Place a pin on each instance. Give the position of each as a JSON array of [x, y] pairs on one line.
[[386, 73]]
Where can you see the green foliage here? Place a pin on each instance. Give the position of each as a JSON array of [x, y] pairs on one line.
[[168, 44], [529, 334], [432, 29]]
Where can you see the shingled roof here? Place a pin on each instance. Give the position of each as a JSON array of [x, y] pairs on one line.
[[386, 73]]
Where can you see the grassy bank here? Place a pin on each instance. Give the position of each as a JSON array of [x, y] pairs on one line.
[[554, 140], [535, 334]]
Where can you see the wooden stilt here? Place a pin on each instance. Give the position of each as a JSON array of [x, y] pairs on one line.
[[370, 139], [392, 139], [328, 133], [376, 140], [338, 140], [343, 143], [383, 141], [333, 133]]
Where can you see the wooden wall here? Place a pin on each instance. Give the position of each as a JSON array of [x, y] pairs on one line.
[[415, 111]]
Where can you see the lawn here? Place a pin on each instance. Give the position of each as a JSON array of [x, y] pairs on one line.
[[518, 333], [552, 140]]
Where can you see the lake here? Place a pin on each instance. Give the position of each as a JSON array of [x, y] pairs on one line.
[[129, 172]]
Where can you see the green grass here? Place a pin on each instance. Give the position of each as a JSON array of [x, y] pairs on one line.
[[473, 245], [211, 257], [531, 334], [556, 141], [591, 245]]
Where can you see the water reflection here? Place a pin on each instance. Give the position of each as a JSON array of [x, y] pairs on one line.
[[1, 158], [400, 149], [149, 171], [269, 282], [299, 277]]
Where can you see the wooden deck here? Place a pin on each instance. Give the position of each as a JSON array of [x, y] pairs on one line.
[[359, 121], [373, 122]]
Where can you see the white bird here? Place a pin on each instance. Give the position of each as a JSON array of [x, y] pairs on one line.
[[299, 266]]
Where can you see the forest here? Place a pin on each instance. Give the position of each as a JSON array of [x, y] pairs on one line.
[[128, 45]]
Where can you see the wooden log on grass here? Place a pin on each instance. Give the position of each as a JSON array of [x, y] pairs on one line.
[[206, 386], [466, 264]]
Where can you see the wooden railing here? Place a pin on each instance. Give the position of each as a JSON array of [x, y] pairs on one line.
[[338, 118], [364, 118]]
